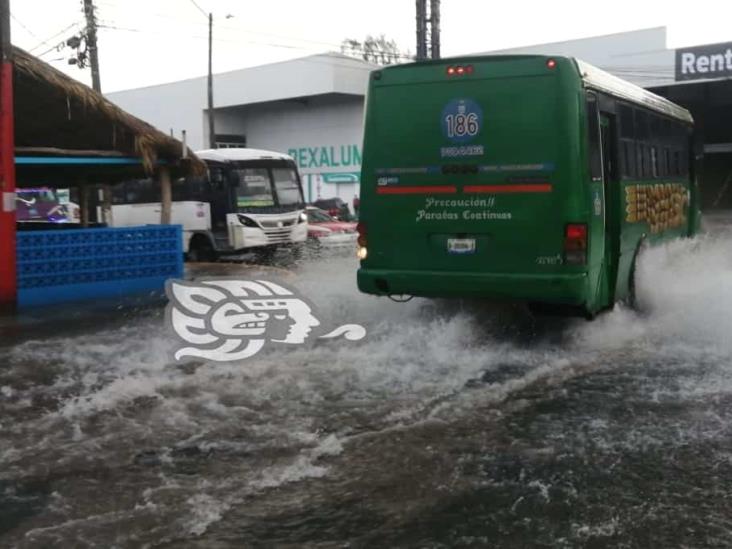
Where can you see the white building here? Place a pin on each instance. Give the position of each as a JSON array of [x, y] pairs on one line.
[[312, 108]]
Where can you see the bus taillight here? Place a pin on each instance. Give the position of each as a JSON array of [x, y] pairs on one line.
[[551, 63], [361, 229], [459, 70], [575, 244], [362, 240]]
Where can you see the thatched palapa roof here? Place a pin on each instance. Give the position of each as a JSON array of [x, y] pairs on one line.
[[54, 111]]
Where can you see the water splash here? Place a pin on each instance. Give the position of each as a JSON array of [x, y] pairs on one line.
[[114, 394]]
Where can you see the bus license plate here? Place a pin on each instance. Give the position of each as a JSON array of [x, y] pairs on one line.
[[461, 245]]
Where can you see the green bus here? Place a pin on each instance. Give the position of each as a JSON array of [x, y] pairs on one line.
[[523, 178]]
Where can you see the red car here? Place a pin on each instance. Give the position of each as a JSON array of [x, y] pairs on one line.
[[324, 230]]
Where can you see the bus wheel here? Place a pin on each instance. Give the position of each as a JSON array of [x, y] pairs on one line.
[[314, 246], [201, 250], [298, 251], [265, 254]]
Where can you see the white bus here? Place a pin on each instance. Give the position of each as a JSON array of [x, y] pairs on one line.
[[250, 200]]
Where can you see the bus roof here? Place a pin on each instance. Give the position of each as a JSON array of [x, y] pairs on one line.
[[591, 76], [240, 154], [598, 79]]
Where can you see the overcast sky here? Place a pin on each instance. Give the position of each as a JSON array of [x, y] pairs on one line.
[[146, 42]]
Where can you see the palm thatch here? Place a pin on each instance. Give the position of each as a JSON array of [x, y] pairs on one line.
[[52, 110]]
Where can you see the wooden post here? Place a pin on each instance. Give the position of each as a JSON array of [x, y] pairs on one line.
[[84, 205], [166, 195], [107, 205], [211, 120], [8, 277]]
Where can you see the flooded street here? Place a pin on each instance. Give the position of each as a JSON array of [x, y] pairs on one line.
[[449, 425]]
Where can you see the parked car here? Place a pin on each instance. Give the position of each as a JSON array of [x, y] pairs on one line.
[[326, 231], [336, 207]]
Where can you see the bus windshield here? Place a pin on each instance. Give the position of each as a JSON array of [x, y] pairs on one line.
[[262, 186], [254, 187], [287, 187]]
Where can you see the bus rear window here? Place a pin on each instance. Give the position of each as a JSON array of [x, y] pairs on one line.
[[254, 187]]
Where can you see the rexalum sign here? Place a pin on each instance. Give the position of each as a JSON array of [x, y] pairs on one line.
[[703, 62]]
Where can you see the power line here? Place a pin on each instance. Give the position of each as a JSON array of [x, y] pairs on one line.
[[243, 41], [331, 62], [199, 8], [47, 40], [270, 34], [23, 26]]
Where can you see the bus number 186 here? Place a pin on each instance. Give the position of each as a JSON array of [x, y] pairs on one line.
[[462, 124]]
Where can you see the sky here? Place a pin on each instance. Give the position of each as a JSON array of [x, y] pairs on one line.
[[148, 42]]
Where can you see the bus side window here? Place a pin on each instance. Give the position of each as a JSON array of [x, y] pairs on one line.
[[196, 187], [119, 195], [151, 191], [594, 151], [628, 148], [142, 191], [216, 176], [640, 164], [132, 192], [641, 125], [627, 136], [684, 162]]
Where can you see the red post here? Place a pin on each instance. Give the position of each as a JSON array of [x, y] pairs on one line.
[[8, 276]]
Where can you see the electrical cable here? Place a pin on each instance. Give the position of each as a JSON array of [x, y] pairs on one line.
[[24, 27], [249, 31], [199, 8], [261, 43], [47, 40]]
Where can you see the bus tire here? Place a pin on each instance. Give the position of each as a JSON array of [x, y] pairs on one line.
[[634, 301], [314, 246], [265, 254], [201, 249], [298, 251]]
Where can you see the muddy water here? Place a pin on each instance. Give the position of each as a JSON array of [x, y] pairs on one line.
[[449, 425]]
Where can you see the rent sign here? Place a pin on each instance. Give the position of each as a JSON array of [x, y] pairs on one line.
[[701, 62]]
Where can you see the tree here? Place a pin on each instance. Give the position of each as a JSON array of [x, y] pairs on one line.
[[374, 49]]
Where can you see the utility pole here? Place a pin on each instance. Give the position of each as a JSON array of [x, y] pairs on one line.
[[8, 276], [91, 42], [211, 126], [428, 30], [421, 30], [435, 29]]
